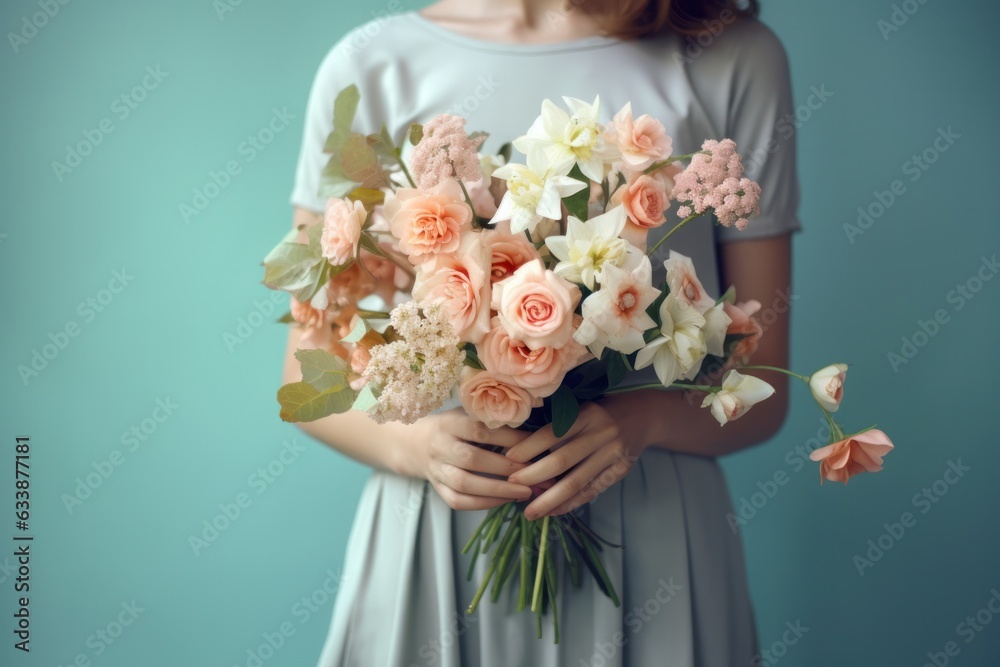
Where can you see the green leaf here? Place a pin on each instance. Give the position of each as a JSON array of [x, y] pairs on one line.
[[360, 163], [302, 402], [416, 133], [505, 151], [383, 145], [333, 182], [618, 368], [728, 297], [322, 369], [366, 399], [369, 197], [369, 244], [565, 410], [290, 266], [472, 358], [358, 332], [578, 203], [286, 318], [344, 108]]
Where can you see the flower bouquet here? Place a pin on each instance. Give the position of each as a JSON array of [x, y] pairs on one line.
[[532, 292]]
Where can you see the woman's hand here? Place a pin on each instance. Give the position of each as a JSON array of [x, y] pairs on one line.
[[444, 454], [597, 451]]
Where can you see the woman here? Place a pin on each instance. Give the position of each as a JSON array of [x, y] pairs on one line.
[[641, 465]]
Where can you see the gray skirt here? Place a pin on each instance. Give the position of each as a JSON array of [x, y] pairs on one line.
[[681, 579]]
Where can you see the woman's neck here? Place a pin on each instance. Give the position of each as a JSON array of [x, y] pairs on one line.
[[514, 21]]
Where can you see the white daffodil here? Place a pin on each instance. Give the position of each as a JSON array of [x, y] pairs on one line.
[[677, 353], [827, 386], [615, 315], [739, 393], [684, 283], [568, 138], [590, 246], [716, 325], [534, 192]]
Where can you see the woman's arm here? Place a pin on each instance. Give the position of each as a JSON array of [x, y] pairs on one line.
[[437, 448], [610, 434]]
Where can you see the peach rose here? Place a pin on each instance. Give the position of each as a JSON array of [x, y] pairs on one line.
[[645, 199], [743, 322], [342, 230], [494, 399], [642, 141], [428, 223], [536, 306], [853, 455], [461, 281], [540, 371], [507, 251]]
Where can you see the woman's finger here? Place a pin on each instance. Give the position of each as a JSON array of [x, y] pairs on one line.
[[560, 460], [581, 478], [470, 430], [472, 484], [541, 441], [476, 459], [462, 501]]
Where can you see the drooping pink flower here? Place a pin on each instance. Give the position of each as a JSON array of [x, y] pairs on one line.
[[714, 181], [445, 151], [743, 322], [853, 455]]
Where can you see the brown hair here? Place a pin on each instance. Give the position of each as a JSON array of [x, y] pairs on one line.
[[635, 19]]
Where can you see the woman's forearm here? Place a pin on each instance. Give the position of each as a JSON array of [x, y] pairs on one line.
[[387, 446], [674, 420]]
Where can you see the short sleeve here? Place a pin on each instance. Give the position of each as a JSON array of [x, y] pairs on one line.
[[761, 120], [330, 79]]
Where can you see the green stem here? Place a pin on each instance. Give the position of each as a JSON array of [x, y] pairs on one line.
[[536, 598], [656, 385], [804, 378], [482, 588], [406, 172], [649, 253], [527, 533]]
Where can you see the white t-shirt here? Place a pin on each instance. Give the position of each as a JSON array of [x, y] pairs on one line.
[[410, 69]]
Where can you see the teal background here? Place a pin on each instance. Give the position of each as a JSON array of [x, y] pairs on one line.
[[164, 337]]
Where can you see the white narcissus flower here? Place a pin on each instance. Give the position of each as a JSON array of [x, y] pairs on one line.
[[827, 386], [739, 393], [677, 353], [534, 192], [615, 315], [568, 138], [716, 325], [590, 246]]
